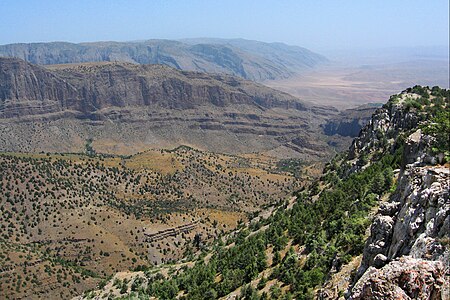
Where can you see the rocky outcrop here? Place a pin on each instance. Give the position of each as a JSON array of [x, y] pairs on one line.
[[423, 218], [387, 122], [248, 59], [417, 151], [407, 253], [403, 278], [414, 222]]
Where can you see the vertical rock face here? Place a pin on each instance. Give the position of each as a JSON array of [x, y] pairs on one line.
[[415, 222], [27, 89], [89, 88], [349, 122], [407, 252]]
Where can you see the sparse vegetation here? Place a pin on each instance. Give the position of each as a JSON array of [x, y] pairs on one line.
[[60, 212], [290, 254], [71, 209]]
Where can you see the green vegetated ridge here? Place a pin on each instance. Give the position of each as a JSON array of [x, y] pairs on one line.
[[432, 107], [290, 254]]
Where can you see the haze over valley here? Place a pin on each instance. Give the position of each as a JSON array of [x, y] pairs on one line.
[[224, 150]]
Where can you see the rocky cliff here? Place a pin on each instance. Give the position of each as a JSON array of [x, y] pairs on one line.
[[90, 88], [142, 106], [408, 245], [407, 253], [247, 59], [350, 121]]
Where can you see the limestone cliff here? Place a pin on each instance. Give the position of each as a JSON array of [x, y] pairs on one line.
[[350, 121], [87, 89], [407, 253], [410, 232]]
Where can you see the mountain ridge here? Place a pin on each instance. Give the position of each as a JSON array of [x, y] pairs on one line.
[[145, 106], [90, 87], [242, 58]]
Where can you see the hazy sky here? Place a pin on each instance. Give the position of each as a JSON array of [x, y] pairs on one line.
[[316, 24]]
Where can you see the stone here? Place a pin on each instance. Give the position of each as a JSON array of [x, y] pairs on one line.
[[379, 261], [388, 208], [404, 278]]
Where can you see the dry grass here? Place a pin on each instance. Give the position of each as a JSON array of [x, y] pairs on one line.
[[218, 189], [155, 160]]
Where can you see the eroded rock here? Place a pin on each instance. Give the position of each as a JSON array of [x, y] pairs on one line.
[[404, 278]]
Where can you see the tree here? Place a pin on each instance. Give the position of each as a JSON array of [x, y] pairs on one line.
[[89, 150], [275, 292]]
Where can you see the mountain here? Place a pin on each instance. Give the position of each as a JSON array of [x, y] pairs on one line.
[[247, 59], [407, 251], [393, 180], [126, 108], [294, 58], [93, 88]]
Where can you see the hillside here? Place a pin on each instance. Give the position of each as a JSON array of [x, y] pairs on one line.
[[294, 58], [71, 221], [247, 59], [126, 108], [315, 245]]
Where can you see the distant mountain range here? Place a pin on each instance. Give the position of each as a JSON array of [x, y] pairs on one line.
[[92, 88], [248, 59]]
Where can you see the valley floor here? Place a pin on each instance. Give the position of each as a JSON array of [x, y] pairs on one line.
[[350, 85]]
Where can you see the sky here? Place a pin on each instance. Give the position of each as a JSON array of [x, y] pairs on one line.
[[315, 24]]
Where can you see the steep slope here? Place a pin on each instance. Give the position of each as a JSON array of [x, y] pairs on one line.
[[350, 121], [88, 88], [294, 58], [311, 247], [341, 129], [247, 59], [407, 253], [144, 106], [28, 90]]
